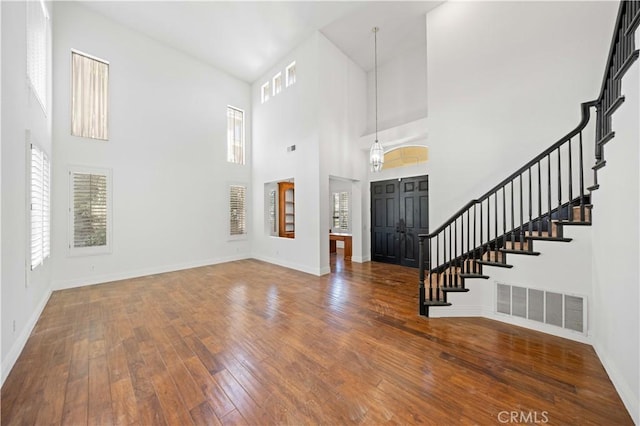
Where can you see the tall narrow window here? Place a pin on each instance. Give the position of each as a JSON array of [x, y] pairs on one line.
[[265, 92], [90, 211], [235, 135], [37, 41], [40, 207], [277, 83], [90, 93], [290, 74], [273, 224], [341, 212], [237, 210]]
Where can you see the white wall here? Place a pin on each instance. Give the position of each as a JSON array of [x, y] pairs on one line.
[[24, 292], [289, 118], [616, 249], [342, 122], [166, 149], [322, 114], [402, 89], [505, 81]]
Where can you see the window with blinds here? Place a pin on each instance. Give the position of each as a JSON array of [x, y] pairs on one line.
[[37, 42], [340, 212], [90, 210], [235, 135], [40, 207], [237, 210], [89, 96]]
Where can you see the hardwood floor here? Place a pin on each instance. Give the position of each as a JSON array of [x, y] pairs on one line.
[[252, 343]]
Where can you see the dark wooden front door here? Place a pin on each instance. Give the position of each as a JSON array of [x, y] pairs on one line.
[[399, 212]]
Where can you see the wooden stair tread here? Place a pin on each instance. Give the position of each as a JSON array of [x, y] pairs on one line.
[[471, 275], [436, 303], [547, 238], [454, 289], [525, 252], [497, 264]]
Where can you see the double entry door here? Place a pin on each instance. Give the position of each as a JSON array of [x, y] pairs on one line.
[[399, 212]]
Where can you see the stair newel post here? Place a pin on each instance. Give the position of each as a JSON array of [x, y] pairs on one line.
[[450, 263], [549, 190], [504, 216], [521, 236], [488, 222], [495, 219], [448, 283], [540, 201], [513, 215], [530, 205], [581, 179], [481, 224], [475, 226], [422, 307], [469, 253], [560, 186], [455, 245], [570, 183], [432, 269]]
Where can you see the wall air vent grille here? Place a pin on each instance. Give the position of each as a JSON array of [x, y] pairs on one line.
[[557, 309]]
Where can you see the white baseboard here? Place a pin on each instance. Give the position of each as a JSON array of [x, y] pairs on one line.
[[100, 279], [541, 327], [456, 311], [21, 341], [630, 399], [292, 265]]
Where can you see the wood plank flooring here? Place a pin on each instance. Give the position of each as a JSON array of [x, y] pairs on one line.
[[252, 343]]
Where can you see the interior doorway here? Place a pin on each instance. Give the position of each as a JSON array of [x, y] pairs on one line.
[[399, 212]]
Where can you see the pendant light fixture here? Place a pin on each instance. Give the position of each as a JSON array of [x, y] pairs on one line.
[[376, 154]]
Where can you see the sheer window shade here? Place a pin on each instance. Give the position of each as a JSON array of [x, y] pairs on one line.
[[90, 210], [237, 210], [235, 135], [40, 207], [90, 87], [37, 41]]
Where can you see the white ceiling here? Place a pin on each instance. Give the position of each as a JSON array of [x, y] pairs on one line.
[[246, 38]]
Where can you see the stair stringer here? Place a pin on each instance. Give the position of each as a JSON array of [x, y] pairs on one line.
[[561, 267]]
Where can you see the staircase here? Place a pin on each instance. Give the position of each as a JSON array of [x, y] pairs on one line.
[[536, 202]]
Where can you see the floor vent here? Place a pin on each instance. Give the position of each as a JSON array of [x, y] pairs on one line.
[[561, 310]]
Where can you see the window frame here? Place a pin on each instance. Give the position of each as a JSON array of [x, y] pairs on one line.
[[276, 84], [245, 234], [265, 92], [33, 60], [232, 143], [340, 212], [288, 80], [45, 205], [93, 250]]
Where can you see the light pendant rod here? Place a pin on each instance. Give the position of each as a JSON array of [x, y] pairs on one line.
[[375, 71], [376, 154]]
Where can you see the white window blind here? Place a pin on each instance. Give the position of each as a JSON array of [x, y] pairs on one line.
[[90, 209], [40, 207], [235, 135], [237, 210], [341, 212], [37, 41], [273, 223], [90, 90]]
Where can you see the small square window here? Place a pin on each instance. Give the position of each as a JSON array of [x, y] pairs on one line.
[[265, 92], [290, 73], [277, 83]]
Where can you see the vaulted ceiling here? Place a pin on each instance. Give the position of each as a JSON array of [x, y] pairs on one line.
[[246, 38]]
